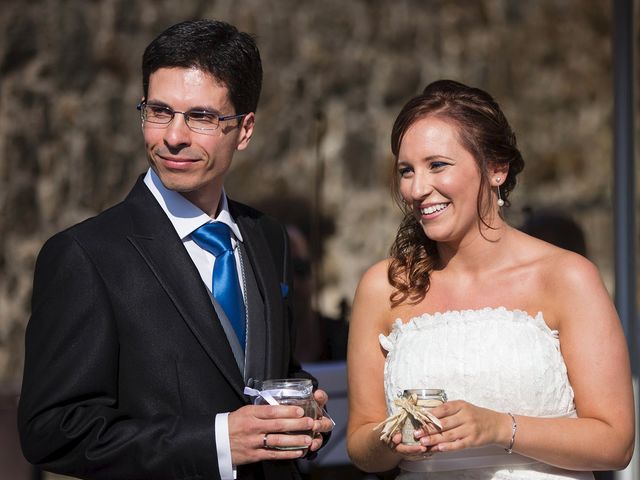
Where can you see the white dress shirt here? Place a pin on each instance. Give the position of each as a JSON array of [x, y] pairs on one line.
[[186, 218]]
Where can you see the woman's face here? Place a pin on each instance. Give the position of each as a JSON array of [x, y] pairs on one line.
[[439, 179]]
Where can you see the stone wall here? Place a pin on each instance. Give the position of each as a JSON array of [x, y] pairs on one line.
[[336, 74]]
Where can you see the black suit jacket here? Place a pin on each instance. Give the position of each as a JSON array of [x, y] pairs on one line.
[[126, 363]]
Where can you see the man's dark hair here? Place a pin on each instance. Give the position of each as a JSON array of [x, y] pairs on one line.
[[215, 47]]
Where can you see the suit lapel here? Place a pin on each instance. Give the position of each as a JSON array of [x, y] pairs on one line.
[[157, 242], [268, 282], [255, 353]]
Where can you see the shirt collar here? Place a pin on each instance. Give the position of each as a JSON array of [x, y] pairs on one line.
[[184, 215]]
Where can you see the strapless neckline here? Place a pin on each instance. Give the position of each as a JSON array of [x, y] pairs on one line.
[[500, 310], [430, 320]]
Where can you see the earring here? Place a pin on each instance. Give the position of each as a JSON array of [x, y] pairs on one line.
[[500, 200]]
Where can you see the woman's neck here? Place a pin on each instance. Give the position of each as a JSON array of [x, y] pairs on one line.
[[476, 253]]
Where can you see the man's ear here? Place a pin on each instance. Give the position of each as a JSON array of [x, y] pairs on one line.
[[246, 130]]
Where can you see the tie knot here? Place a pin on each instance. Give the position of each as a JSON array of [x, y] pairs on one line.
[[213, 237]]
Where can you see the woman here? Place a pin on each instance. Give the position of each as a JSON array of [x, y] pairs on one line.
[[521, 335]]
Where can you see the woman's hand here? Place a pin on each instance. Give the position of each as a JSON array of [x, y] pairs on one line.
[[409, 452], [464, 426], [322, 423]]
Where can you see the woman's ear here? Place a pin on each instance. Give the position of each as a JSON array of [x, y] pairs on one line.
[[498, 174]]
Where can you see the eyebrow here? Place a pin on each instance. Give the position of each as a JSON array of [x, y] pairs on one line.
[[200, 108], [428, 159], [438, 157]]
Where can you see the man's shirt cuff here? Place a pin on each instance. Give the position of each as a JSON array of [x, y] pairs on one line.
[[223, 448]]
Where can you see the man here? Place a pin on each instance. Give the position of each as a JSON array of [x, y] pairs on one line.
[[144, 330]]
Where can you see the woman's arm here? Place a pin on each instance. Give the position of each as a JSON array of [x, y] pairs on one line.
[[595, 352], [370, 317]]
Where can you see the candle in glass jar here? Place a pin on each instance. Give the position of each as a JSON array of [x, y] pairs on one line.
[[426, 398], [291, 391]]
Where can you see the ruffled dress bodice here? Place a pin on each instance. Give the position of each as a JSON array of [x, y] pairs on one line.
[[504, 360]]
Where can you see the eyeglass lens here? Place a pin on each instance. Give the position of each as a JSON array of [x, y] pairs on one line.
[[197, 119]]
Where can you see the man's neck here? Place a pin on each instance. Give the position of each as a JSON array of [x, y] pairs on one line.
[[208, 200]]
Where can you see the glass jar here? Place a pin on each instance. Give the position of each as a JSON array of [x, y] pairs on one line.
[[426, 398], [291, 391]]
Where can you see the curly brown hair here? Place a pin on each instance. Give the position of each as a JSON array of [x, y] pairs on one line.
[[483, 131]]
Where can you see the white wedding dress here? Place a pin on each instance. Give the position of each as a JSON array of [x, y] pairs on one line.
[[495, 358]]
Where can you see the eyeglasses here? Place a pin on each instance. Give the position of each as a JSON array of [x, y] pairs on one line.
[[196, 120]]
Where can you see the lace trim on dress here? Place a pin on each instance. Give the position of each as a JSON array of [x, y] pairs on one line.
[[430, 320]]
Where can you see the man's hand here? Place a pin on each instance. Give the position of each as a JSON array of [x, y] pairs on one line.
[[254, 431], [322, 423]]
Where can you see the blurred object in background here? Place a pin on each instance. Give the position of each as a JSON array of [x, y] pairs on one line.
[[13, 466], [555, 227], [318, 337]]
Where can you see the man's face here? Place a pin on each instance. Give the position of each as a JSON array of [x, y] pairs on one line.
[[193, 163]]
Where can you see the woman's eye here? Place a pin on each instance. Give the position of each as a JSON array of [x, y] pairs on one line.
[[404, 171], [437, 165]]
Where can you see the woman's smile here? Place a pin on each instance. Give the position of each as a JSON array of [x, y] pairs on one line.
[[434, 209]]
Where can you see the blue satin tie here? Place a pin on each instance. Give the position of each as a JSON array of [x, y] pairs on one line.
[[216, 238]]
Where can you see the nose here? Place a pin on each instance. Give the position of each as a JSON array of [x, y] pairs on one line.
[[420, 186], [177, 134]]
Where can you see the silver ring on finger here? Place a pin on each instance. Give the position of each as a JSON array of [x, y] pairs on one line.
[[264, 441]]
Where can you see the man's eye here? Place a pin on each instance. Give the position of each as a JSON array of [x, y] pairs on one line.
[[203, 117], [158, 111]]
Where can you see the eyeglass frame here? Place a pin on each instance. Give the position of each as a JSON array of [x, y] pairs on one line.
[[220, 118]]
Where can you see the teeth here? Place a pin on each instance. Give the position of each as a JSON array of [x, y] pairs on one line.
[[433, 208]]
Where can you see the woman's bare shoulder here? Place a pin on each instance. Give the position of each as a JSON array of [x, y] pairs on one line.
[[562, 278], [558, 265], [542, 254], [375, 279], [372, 298]]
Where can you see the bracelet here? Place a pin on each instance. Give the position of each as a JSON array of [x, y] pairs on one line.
[[514, 429]]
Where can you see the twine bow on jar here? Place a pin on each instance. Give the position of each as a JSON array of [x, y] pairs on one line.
[[408, 409]]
